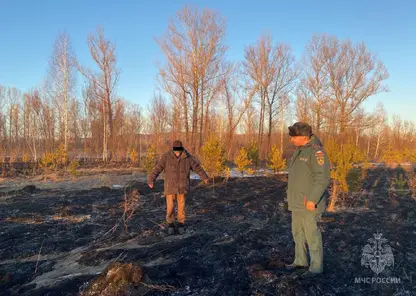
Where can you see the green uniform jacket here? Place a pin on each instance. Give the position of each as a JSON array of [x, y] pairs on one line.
[[309, 176]]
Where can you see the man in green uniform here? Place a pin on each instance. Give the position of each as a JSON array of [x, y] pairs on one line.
[[309, 177]]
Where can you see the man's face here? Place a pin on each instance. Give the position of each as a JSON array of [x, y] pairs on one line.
[[299, 140], [177, 152]]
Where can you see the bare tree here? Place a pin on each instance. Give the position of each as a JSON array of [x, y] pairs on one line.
[[75, 117], [118, 126], [381, 120], [344, 74], [33, 107], [194, 51], [176, 118], [314, 81], [238, 99], [159, 118], [46, 123], [258, 67], [284, 103], [397, 128], [104, 82], [361, 122], [303, 105], [85, 121], [61, 82], [283, 83], [14, 108], [2, 119], [172, 79], [137, 124], [272, 72], [408, 131], [250, 122]]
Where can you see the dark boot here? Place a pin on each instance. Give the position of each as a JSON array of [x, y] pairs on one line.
[[293, 266], [308, 275], [181, 228], [171, 229]]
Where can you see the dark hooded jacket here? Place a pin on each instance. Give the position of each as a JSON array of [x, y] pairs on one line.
[[176, 172]]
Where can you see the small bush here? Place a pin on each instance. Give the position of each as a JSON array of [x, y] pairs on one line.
[[26, 158], [276, 161], [48, 161], [56, 160], [355, 179], [250, 171], [253, 154], [61, 156], [150, 160], [391, 155], [410, 155], [134, 156], [227, 174], [411, 182], [130, 204], [399, 182], [342, 160], [365, 165], [242, 160], [73, 167], [213, 158]]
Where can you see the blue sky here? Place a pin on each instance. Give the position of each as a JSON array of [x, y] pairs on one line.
[[29, 28]]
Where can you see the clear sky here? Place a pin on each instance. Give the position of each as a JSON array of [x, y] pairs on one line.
[[28, 29]]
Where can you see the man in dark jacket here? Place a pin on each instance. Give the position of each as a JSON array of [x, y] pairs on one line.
[[176, 164], [309, 177]]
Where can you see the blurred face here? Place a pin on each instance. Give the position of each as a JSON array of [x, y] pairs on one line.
[[177, 152], [299, 140]]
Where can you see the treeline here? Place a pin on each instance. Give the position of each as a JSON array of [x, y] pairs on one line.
[[201, 94]]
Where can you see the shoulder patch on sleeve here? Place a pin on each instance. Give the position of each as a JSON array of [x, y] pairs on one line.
[[320, 158]]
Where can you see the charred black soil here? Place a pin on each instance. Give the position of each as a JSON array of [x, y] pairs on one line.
[[238, 237]]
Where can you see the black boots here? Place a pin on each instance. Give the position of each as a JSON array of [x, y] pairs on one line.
[[180, 228], [171, 229], [293, 266]]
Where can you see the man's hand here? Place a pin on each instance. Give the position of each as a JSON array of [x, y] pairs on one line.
[[151, 185], [206, 181], [310, 206]]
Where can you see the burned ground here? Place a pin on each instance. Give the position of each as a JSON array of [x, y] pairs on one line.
[[56, 242]]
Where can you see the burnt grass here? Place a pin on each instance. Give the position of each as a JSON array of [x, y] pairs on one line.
[[237, 240]]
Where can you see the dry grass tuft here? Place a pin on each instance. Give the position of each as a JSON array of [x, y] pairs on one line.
[[116, 280], [162, 288], [26, 220], [71, 219]]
